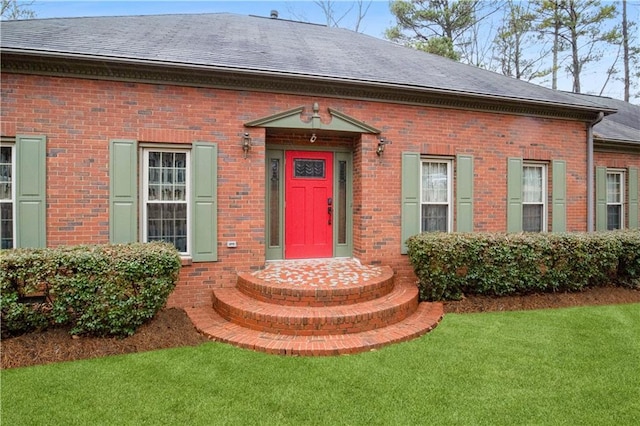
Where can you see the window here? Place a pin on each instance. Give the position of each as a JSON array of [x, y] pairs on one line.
[[528, 197], [23, 192], [615, 197], [166, 204], [436, 196], [177, 193], [7, 196], [534, 195], [426, 195]]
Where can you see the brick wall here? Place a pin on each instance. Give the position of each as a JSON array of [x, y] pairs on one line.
[[79, 117]]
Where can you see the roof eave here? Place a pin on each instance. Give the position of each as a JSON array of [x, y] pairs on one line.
[[476, 97]]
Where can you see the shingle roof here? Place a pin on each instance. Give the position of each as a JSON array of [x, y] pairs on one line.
[[274, 46], [623, 126]]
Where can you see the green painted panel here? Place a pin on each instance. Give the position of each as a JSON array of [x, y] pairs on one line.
[[120, 222], [464, 193], [31, 202], [514, 195], [633, 198], [344, 249], [601, 198], [410, 197], [204, 231], [204, 172], [123, 199], [274, 183], [559, 196]]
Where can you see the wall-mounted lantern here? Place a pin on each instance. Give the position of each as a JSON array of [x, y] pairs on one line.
[[381, 143], [246, 143]]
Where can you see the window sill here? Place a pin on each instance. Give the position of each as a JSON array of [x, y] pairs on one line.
[[186, 260]]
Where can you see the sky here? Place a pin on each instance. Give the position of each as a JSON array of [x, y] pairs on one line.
[[377, 19]]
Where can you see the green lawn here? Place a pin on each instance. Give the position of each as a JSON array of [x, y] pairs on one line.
[[577, 366]]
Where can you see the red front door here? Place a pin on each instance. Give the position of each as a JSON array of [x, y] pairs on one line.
[[309, 204]]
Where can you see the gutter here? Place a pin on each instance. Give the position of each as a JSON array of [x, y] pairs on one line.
[[590, 174]]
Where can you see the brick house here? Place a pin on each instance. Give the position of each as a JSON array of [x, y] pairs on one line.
[[195, 129]]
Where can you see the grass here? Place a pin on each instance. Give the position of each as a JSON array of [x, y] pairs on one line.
[[566, 366]]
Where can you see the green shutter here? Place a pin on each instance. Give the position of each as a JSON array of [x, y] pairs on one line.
[[410, 197], [559, 196], [204, 172], [601, 198], [31, 202], [123, 199], [514, 195], [633, 198], [464, 193]]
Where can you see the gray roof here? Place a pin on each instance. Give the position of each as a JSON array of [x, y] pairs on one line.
[[623, 126], [249, 44]]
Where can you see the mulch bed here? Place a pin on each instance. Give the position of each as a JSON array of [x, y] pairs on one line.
[[172, 328]]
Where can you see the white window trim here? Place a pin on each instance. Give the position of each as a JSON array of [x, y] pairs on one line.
[[623, 182], [545, 185], [12, 146], [144, 193], [449, 203]]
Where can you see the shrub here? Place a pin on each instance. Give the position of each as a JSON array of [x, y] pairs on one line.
[[98, 290], [450, 265]]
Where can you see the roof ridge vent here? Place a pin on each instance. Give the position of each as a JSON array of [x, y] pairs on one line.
[[274, 14]]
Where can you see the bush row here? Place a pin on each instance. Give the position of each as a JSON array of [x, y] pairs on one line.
[[98, 290], [451, 265]]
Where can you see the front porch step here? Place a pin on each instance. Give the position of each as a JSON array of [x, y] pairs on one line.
[[246, 311], [335, 289], [316, 307], [424, 319]]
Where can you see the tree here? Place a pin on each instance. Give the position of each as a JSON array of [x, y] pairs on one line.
[[580, 26], [336, 13], [631, 53], [434, 26], [515, 46], [450, 28], [13, 9]]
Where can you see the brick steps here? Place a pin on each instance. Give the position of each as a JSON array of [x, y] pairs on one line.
[[316, 307], [423, 320], [294, 295], [243, 310]]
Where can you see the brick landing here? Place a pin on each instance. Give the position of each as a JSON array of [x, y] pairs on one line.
[[316, 307]]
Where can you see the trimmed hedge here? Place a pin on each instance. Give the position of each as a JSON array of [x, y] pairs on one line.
[[451, 265], [98, 290]]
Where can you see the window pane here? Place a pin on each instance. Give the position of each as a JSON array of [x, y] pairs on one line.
[[5, 155], [168, 222], [180, 160], [167, 159], [154, 159], [274, 204], [167, 190], [5, 190], [304, 168], [532, 218], [5, 173], [6, 225], [613, 187], [532, 184], [434, 183], [614, 217], [434, 218], [342, 201]]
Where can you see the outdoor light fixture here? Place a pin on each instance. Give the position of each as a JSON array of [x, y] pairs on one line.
[[246, 143], [381, 143]]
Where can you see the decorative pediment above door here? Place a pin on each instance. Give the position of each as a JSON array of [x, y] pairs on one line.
[[292, 119]]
